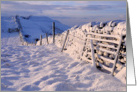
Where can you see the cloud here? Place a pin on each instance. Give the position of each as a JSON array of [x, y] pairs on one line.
[[66, 11], [14, 7], [26, 6]]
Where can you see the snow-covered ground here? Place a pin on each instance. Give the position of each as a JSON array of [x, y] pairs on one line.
[[10, 39], [45, 68]]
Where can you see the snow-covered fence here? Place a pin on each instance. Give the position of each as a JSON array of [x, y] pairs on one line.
[[76, 40], [105, 45], [106, 48], [23, 38]]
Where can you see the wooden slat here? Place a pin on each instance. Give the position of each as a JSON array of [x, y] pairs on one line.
[[100, 60], [104, 50], [104, 67], [106, 59], [105, 45], [110, 41], [103, 35]]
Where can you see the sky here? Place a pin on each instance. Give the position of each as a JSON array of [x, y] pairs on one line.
[[67, 12]]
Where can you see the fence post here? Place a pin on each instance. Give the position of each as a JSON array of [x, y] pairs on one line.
[[84, 46], [20, 27], [116, 57], [92, 53], [47, 38], [65, 41], [35, 42], [40, 39], [53, 28]]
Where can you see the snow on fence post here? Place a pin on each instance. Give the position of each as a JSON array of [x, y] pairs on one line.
[[40, 39], [92, 53], [53, 28], [116, 57], [65, 41], [47, 38]]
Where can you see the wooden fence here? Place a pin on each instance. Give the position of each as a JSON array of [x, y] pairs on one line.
[[35, 43], [104, 50]]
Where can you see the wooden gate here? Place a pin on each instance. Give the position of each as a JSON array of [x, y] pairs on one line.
[[104, 50]]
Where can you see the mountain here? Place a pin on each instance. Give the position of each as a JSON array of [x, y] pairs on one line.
[[33, 26]]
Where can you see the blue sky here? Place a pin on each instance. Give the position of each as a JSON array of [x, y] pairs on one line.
[[68, 12]]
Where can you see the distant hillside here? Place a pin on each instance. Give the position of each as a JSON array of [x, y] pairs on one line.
[[33, 26], [8, 22]]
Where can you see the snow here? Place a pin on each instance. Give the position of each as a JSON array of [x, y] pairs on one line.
[[36, 26], [122, 75], [10, 39], [76, 40], [8, 22], [45, 68], [77, 36]]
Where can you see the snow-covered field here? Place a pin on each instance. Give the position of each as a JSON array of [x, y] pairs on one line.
[[10, 39], [46, 68]]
